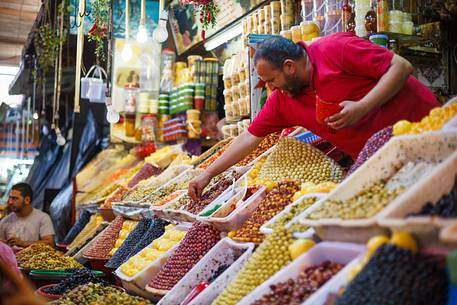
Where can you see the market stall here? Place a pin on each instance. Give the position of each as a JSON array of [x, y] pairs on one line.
[[293, 222]]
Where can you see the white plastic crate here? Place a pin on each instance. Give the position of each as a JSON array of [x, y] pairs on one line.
[[241, 213], [381, 166], [341, 253], [224, 252]]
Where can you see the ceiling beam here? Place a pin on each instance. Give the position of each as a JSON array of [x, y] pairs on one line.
[[17, 13], [13, 60]]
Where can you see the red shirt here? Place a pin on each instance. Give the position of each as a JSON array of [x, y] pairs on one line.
[[345, 67]]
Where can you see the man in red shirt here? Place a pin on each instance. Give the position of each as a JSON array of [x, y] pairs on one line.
[[372, 85]]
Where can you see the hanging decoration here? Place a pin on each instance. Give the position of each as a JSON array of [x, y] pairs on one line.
[[99, 31], [208, 12], [79, 52]]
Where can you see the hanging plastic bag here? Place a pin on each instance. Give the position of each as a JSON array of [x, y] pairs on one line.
[[94, 88]]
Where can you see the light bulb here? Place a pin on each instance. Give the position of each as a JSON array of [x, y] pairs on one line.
[[160, 33], [35, 116], [127, 52], [45, 130], [142, 34], [112, 116], [60, 140]]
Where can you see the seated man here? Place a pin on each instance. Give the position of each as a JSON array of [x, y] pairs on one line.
[[26, 225]]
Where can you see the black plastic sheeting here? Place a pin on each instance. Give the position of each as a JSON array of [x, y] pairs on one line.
[[51, 171]]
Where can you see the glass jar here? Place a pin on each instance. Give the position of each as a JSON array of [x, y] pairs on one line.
[[286, 22], [307, 10], [130, 93], [286, 34], [296, 33], [309, 30], [149, 127]]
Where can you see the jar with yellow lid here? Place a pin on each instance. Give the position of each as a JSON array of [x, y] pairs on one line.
[[309, 30], [286, 34], [296, 33]]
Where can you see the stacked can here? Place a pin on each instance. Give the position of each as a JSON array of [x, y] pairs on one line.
[[182, 98], [199, 97], [211, 70], [193, 124], [164, 101], [191, 60], [275, 7], [174, 129]]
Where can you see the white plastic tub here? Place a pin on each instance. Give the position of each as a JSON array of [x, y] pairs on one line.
[[241, 213], [224, 252], [142, 278], [381, 166], [267, 229], [426, 229], [341, 253]]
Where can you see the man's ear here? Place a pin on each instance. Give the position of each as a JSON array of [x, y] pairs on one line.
[[289, 66], [27, 200]]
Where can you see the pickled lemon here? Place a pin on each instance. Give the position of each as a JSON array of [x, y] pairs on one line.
[[299, 247], [404, 240], [402, 127], [375, 242]]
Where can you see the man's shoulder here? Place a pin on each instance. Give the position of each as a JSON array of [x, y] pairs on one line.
[[8, 218], [40, 214]]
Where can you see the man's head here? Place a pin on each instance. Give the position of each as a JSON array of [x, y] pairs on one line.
[[20, 197], [283, 65]]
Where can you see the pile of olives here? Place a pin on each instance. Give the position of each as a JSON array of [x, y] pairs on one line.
[[296, 160], [294, 211], [272, 204], [41, 256], [99, 294], [270, 257], [364, 205], [106, 240]]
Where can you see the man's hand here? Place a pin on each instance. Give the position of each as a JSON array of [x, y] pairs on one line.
[[14, 241], [350, 114], [197, 185]]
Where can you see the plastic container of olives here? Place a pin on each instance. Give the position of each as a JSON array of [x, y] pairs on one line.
[[225, 252], [142, 278], [266, 228], [431, 147], [342, 253], [425, 228], [156, 183]]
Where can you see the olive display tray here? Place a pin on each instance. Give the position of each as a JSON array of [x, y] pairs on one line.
[[342, 253], [437, 146], [57, 274], [267, 227], [425, 228], [225, 252]]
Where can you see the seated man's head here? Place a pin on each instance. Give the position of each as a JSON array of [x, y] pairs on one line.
[[283, 65], [20, 197]]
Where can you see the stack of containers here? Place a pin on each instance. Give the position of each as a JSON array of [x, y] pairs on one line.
[[182, 73], [287, 14], [164, 107], [174, 129], [267, 23], [275, 7], [193, 124], [143, 101], [182, 98], [228, 90], [212, 81], [191, 60], [361, 9], [261, 21], [199, 97]]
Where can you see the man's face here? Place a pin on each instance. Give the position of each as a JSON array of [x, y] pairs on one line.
[[288, 79], [16, 202]]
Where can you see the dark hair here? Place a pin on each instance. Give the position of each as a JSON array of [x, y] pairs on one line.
[[25, 189], [276, 50]]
